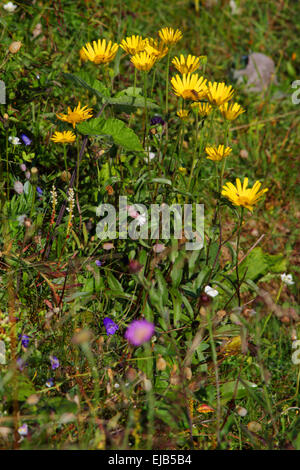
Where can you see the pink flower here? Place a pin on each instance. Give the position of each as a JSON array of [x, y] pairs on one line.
[[139, 331]]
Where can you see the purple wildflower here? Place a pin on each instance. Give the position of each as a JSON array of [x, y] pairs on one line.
[[157, 120], [49, 383], [54, 362], [20, 364], [23, 167], [139, 331], [39, 191], [24, 340], [26, 139], [98, 263], [110, 326], [23, 430]]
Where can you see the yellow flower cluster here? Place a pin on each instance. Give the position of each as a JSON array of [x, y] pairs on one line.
[[205, 96]]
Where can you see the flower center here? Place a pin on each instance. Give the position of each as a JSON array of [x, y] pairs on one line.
[[190, 95]]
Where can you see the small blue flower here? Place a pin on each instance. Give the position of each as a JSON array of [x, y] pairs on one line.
[[54, 362], [26, 139], [39, 191], [21, 364], [49, 383], [24, 340], [23, 430], [110, 326], [157, 120], [98, 263]]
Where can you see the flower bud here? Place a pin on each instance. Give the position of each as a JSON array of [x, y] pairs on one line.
[[18, 187], [161, 363], [15, 47]]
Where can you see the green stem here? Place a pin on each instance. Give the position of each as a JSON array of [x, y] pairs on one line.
[[167, 82], [237, 256], [214, 358], [153, 81], [146, 118], [134, 82], [150, 395], [65, 159]]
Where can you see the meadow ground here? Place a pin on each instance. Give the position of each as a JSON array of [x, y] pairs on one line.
[[141, 343]]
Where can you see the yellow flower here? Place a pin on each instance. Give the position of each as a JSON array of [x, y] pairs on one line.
[[133, 44], [64, 137], [169, 36], [100, 52], [143, 61], [219, 93], [83, 55], [189, 86], [158, 49], [217, 153], [203, 109], [241, 195], [186, 64], [231, 111], [232, 346], [78, 115], [183, 114], [182, 170]]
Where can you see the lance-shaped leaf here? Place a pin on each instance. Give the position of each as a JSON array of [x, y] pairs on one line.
[[113, 128], [90, 83]]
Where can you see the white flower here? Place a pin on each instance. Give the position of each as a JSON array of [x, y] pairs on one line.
[[14, 140], [21, 219], [9, 7], [151, 155], [235, 10], [287, 279], [210, 291]]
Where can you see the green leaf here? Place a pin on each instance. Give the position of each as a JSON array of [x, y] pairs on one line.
[[90, 83], [231, 390], [131, 99], [259, 264], [113, 128], [161, 181]]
